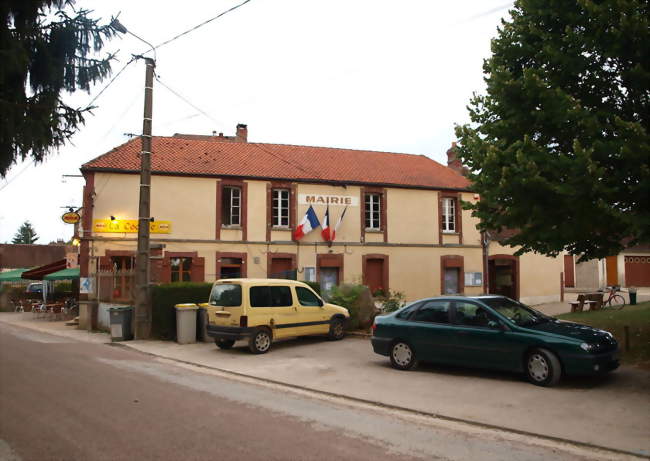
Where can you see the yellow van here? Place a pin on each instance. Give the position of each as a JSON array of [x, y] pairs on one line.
[[262, 310]]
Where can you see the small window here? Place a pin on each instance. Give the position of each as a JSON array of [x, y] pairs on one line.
[[181, 269], [275, 296], [470, 314], [373, 212], [280, 208], [306, 297], [231, 206], [449, 214], [226, 295], [433, 312]]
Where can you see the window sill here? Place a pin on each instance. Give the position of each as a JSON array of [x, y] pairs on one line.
[[223, 226], [374, 231], [450, 232], [278, 228]]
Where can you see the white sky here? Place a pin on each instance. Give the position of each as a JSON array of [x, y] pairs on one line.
[[365, 74]]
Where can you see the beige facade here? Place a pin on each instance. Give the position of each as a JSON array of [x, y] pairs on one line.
[[409, 252]]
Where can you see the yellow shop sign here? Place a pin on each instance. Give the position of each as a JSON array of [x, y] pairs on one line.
[[119, 226]]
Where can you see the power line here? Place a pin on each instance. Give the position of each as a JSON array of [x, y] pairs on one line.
[[110, 82], [134, 99], [178, 95], [17, 174], [201, 25]]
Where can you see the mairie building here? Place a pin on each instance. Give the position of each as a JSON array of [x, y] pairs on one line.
[[225, 207]]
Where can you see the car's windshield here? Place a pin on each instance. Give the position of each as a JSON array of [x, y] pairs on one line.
[[516, 312], [226, 294]]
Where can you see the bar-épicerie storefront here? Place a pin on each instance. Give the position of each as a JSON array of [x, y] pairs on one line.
[[225, 207]]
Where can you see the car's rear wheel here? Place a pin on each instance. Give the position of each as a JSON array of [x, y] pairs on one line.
[[224, 343], [260, 342], [543, 368], [402, 356], [337, 330]]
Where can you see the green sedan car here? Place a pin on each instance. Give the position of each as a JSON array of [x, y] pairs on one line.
[[493, 332]]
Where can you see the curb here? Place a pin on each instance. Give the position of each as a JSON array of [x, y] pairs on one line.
[[393, 407]]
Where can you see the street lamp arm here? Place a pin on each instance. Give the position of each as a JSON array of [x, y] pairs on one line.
[[118, 26]]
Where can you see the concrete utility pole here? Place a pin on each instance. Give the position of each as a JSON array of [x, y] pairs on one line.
[[142, 295], [142, 264]]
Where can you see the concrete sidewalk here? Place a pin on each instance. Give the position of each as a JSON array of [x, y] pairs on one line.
[[610, 411]]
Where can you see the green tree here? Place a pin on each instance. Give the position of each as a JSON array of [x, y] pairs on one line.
[[26, 234], [559, 146], [47, 47]]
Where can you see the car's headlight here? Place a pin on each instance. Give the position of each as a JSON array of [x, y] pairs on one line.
[[588, 347]]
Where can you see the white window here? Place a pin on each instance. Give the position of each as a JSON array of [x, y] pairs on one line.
[[280, 212], [373, 211], [231, 206], [448, 214]]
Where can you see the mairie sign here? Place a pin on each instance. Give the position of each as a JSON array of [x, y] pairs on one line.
[[129, 226], [334, 200]]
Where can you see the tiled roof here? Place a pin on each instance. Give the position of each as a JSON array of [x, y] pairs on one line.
[[200, 157]]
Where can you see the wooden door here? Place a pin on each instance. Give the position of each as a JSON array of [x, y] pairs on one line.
[[375, 275], [611, 263], [569, 274], [281, 268], [637, 271]]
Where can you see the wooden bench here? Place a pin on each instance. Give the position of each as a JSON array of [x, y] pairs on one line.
[[576, 306], [591, 304]]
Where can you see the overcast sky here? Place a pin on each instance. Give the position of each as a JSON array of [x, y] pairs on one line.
[[390, 76]]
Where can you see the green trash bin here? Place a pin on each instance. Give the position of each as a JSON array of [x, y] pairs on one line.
[[121, 319], [632, 293]]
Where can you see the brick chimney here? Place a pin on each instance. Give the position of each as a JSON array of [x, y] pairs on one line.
[[242, 132], [452, 161]]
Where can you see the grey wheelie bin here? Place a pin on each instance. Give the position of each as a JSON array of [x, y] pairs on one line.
[[121, 319], [186, 323]]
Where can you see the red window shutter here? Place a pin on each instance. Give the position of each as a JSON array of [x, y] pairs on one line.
[[198, 270], [166, 271]]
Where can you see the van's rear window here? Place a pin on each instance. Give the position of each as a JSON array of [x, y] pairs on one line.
[[226, 294]]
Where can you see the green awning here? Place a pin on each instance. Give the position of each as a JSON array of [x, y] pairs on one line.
[[12, 276], [65, 274]]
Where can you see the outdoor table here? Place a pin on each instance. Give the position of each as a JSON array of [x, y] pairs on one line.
[[596, 299]]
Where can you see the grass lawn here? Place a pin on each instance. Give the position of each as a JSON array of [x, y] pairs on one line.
[[637, 318]]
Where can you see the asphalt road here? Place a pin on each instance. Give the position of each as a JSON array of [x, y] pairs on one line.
[[66, 400]]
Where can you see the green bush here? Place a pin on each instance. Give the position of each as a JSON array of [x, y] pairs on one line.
[[314, 286], [63, 287], [166, 296], [392, 301], [347, 296]]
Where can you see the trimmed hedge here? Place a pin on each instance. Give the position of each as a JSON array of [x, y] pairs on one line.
[[165, 297]]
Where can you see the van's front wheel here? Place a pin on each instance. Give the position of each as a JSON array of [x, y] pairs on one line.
[[337, 330], [260, 342]]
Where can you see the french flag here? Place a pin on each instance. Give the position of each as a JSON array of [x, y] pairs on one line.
[[308, 224], [327, 232], [338, 224]]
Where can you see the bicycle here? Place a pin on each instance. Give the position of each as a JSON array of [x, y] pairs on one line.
[[614, 301]]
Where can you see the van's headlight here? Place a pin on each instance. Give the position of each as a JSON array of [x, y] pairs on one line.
[[588, 347]]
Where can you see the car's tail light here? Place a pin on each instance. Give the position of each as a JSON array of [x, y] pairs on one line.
[[243, 321], [374, 326]]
